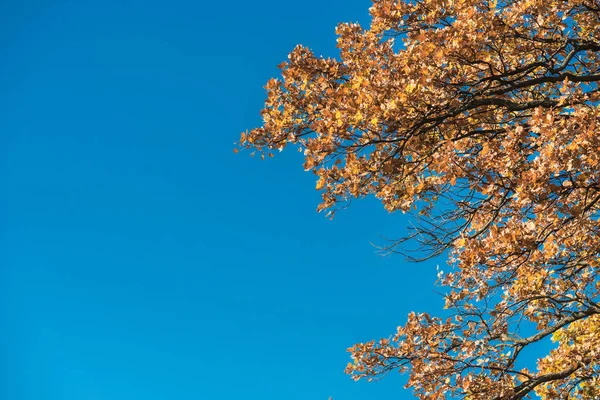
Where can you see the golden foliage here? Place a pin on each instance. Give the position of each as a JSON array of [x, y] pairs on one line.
[[484, 116]]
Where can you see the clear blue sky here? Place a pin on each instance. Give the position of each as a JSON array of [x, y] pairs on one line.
[[140, 258]]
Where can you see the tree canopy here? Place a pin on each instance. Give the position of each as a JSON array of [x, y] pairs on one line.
[[482, 120]]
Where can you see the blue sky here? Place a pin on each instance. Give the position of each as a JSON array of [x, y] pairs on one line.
[[140, 258]]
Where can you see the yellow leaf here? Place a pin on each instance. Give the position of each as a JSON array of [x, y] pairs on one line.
[[411, 87], [320, 183], [358, 117]]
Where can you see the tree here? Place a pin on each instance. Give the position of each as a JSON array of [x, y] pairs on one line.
[[481, 119]]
